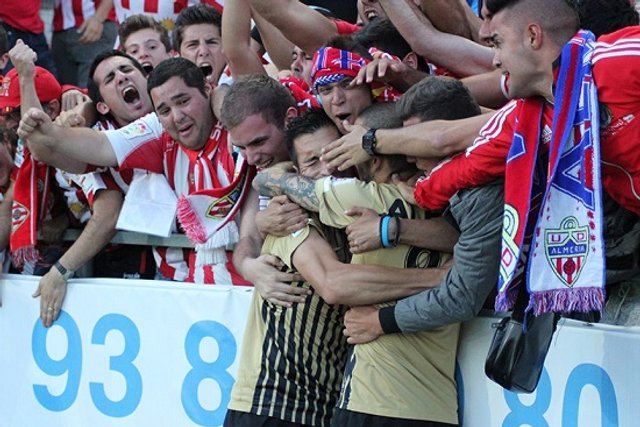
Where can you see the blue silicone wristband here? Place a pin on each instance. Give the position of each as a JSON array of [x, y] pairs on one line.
[[384, 231]]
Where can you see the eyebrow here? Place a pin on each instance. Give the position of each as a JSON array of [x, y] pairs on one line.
[[258, 140]]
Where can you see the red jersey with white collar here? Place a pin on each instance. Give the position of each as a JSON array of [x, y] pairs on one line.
[[616, 61]]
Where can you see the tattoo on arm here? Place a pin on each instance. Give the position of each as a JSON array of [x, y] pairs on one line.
[[299, 189]]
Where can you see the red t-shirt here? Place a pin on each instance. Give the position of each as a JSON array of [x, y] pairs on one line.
[[23, 15]]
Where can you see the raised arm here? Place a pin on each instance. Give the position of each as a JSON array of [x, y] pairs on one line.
[[303, 26], [82, 145], [459, 55], [453, 16], [236, 38], [276, 44]]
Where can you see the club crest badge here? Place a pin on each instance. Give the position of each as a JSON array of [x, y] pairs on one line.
[[19, 214], [566, 249]]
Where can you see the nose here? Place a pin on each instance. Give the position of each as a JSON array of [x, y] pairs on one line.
[[143, 54], [203, 49], [251, 155], [121, 77], [497, 61], [295, 65], [337, 95], [326, 169]]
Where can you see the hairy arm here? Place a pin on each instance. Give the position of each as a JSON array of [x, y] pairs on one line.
[[443, 48], [300, 190], [303, 26], [339, 283]]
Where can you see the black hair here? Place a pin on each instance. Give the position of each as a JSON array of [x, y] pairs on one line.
[[606, 16], [92, 86], [4, 42], [308, 123], [189, 72], [436, 98], [382, 34], [197, 14]]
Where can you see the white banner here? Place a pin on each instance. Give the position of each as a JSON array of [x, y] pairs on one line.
[[123, 353], [141, 353], [590, 380]]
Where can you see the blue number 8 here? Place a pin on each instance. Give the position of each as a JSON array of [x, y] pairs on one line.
[[532, 415], [122, 363], [71, 363], [216, 370]]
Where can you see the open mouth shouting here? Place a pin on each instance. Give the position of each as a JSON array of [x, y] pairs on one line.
[[371, 14], [147, 67], [207, 69], [130, 95]]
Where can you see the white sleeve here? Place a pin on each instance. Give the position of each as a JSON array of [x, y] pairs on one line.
[[126, 139]]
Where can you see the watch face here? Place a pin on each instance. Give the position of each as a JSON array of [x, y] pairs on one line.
[[369, 142]]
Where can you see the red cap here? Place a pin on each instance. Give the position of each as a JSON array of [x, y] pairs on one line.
[[47, 88]]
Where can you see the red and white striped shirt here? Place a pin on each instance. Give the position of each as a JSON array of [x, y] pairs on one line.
[[143, 144], [72, 13], [165, 12]]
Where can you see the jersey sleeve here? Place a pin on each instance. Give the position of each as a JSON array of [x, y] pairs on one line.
[[480, 164], [139, 144], [337, 195]]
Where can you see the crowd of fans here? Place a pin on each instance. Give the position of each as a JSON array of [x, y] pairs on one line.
[[375, 168]]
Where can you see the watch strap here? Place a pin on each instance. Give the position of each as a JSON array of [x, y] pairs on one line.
[[66, 274]]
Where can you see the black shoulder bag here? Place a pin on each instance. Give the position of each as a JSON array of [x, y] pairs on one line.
[[516, 356]]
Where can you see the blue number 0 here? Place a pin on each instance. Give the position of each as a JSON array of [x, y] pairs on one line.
[[122, 363], [216, 370], [581, 376], [71, 363]]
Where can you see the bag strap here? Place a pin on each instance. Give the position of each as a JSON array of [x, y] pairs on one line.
[[522, 300]]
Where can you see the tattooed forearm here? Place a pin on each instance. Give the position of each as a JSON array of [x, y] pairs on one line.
[[299, 189]]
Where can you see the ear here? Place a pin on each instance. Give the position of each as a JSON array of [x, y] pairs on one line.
[[290, 114], [375, 165], [208, 88], [411, 60], [4, 60], [102, 108], [54, 107], [534, 35]]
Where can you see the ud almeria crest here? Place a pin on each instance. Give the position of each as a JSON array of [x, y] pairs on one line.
[[567, 248]]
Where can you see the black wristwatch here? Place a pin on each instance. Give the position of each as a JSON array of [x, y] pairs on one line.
[[369, 142], [66, 274]]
